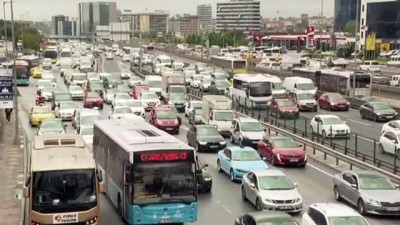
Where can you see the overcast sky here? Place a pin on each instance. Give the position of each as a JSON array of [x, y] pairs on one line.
[[40, 10]]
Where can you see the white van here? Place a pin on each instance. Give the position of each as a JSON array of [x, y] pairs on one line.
[[370, 66], [154, 82], [395, 80], [300, 83], [394, 60]]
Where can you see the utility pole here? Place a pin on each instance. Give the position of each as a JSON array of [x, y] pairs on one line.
[[5, 27], [321, 30], [356, 32], [16, 137]]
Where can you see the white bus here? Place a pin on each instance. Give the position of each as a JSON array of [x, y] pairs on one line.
[[278, 91], [164, 60], [338, 80], [233, 64], [394, 60], [251, 90]]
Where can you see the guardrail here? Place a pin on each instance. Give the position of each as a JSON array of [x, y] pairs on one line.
[[341, 152]]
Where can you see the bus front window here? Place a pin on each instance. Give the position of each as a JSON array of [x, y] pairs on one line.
[[164, 182], [239, 64], [277, 86], [64, 190], [260, 89], [21, 72]]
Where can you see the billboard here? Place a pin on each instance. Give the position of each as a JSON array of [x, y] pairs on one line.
[[6, 91]]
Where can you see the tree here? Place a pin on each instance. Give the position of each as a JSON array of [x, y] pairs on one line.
[[350, 27], [30, 37]]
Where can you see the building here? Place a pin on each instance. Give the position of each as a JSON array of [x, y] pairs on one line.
[[345, 11], [182, 26], [118, 32], [93, 14], [241, 15], [155, 24], [380, 17], [55, 23], [204, 12], [68, 28]]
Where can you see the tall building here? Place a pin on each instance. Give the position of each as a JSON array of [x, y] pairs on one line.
[[92, 14], [243, 15], [55, 23], [345, 11], [151, 23], [380, 17], [182, 26], [204, 12]]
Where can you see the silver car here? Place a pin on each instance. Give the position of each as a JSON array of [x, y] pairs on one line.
[[76, 92], [370, 192], [271, 190]]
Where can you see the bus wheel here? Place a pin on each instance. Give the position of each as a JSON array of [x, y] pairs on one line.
[[119, 207]]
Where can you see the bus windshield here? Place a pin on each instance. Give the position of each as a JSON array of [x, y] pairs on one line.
[[239, 64], [362, 81], [277, 86], [64, 190], [65, 54], [50, 54], [164, 182], [21, 71], [260, 89]]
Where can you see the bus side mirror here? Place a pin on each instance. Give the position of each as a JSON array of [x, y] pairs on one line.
[[26, 192], [101, 187], [26, 188]]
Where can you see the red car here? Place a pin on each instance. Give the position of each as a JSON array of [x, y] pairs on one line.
[[283, 151], [284, 108], [92, 99], [333, 101], [165, 118], [136, 89]]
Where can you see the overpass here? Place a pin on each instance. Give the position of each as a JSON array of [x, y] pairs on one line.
[[66, 37]]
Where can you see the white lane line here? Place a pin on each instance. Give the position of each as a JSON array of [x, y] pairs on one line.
[[224, 207], [320, 170], [366, 139], [358, 122]]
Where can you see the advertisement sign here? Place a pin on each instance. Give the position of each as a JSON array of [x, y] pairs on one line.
[[6, 91], [310, 37]]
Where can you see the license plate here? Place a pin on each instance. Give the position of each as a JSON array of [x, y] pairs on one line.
[[214, 146], [294, 160], [392, 209], [285, 207], [169, 128], [165, 221]]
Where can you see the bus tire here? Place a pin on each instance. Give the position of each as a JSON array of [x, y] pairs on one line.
[[119, 206]]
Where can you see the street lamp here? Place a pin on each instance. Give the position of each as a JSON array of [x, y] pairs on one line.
[[5, 26], [356, 33], [321, 30]]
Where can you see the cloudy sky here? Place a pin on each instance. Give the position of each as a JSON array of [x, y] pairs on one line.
[[44, 9]]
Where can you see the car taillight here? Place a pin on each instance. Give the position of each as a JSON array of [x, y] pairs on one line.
[[34, 223]]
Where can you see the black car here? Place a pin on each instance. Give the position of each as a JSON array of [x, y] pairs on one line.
[[96, 86], [112, 81], [203, 177], [218, 87], [270, 217], [205, 138], [377, 111], [60, 96]]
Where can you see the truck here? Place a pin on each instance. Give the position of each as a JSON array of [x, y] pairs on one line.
[[217, 111], [172, 83]]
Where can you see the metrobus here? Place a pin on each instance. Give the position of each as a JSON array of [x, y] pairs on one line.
[[150, 176], [22, 72], [251, 90], [63, 185], [32, 60], [233, 64], [338, 80], [51, 53]]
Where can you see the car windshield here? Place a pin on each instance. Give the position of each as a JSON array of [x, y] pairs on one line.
[[67, 105], [380, 106], [222, 83], [134, 78], [251, 127], [123, 88], [284, 143], [198, 111], [207, 131], [88, 120], [154, 83], [197, 78], [277, 86], [51, 125], [164, 182], [332, 121], [96, 85], [55, 191], [166, 114], [348, 220], [277, 221], [122, 96], [149, 95], [335, 96], [62, 96], [123, 110], [45, 86], [245, 156], [305, 96], [93, 95], [285, 103], [86, 130], [223, 116], [133, 103], [207, 80], [41, 110], [375, 182], [278, 182], [305, 86], [177, 96], [196, 104], [75, 88], [115, 79]]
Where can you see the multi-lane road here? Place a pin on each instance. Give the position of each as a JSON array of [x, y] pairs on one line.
[[224, 203]]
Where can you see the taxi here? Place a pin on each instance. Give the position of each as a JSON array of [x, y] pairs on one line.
[[39, 113], [36, 72]]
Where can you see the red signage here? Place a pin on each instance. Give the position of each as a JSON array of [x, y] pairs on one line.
[[164, 156]]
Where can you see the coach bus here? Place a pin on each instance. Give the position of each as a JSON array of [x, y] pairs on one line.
[[22, 72], [251, 90], [63, 185], [51, 53], [338, 80], [149, 175], [233, 64], [32, 60]]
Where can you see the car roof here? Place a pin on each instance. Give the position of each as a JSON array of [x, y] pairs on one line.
[[246, 119], [278, 137], [269, 172], [203, 126], [322, 116], [240, 148], [364, 172], [270, 214], [334, 209]]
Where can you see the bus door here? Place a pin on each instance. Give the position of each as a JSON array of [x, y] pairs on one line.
[[127, 190]]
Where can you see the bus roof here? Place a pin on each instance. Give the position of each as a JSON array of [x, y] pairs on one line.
[[138, 135], [228, 58], [251, 77], [272, 78], [21, 63], [58, 141]]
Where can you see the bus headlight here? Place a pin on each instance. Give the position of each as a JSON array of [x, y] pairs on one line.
[[91, 221]]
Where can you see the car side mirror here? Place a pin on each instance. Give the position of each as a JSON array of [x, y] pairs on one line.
[[127, 177], [237, 130], [179, 120], [355, 186], [101, 186], [300, 145], [252, 186], [295, 184], [65, 126]]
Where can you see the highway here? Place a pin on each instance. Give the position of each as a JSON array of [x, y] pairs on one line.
[[224, 203]]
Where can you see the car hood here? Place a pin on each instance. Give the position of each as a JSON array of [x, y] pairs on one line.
[[338, 126], [386, 111], [291, 108], [137, 109], [76, 92], [51, 130], [155, 89], [280, 194], [178, 101], [307, 101], [210, 138], [168, 121], [94, 100], [388, 196], [122, 116], [250, 165], [67, 111], [253, 135], [296, 151], [339, 101]]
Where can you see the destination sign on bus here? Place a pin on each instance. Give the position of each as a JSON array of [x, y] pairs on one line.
[[164, 156]]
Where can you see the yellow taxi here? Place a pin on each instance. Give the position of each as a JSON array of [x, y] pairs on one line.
[[36, 72], [40, 113]]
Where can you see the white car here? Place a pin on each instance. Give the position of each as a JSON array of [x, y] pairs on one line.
[[109, 96], [134, 80], [43, 84], [93, 76], [332, 214], [76, 92], [389, 142], [271, 189], [109, 56], [136, 106], [77, 79], [47, 64], [149, 99], [120, 112], [125, 74], [196, 81], [87, 134], [329, 126], [47, 93], [205, 83], [120, 99], [65, 110], [191, 105], [126, 58], [157, 68], [246, 131], [50, 77], [393, 126]]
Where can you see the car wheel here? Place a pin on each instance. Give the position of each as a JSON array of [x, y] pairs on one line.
[[273, 160], [232, 140], [336, 193], [323, 134], [232, 176], [375, 118], [244, 198], [258, 205], [197, 147], [219, 169], [361, 207]]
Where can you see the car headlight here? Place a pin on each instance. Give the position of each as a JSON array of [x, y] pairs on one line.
[[378, 114], [222, 143], [268, 200], [110, 86], [298, 200], [40, 133], [202, 142], [207, 179], [373, 202], [216, 126]]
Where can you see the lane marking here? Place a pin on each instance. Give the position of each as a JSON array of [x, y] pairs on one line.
[[320, 170], [358, 122], [224, 207], [366, 139]]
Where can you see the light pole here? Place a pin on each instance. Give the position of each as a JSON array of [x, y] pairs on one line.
[[16, 137], [5, 26], [321, 30], [355, 47]]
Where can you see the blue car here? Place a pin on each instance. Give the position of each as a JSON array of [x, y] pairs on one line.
[[237, 161]]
